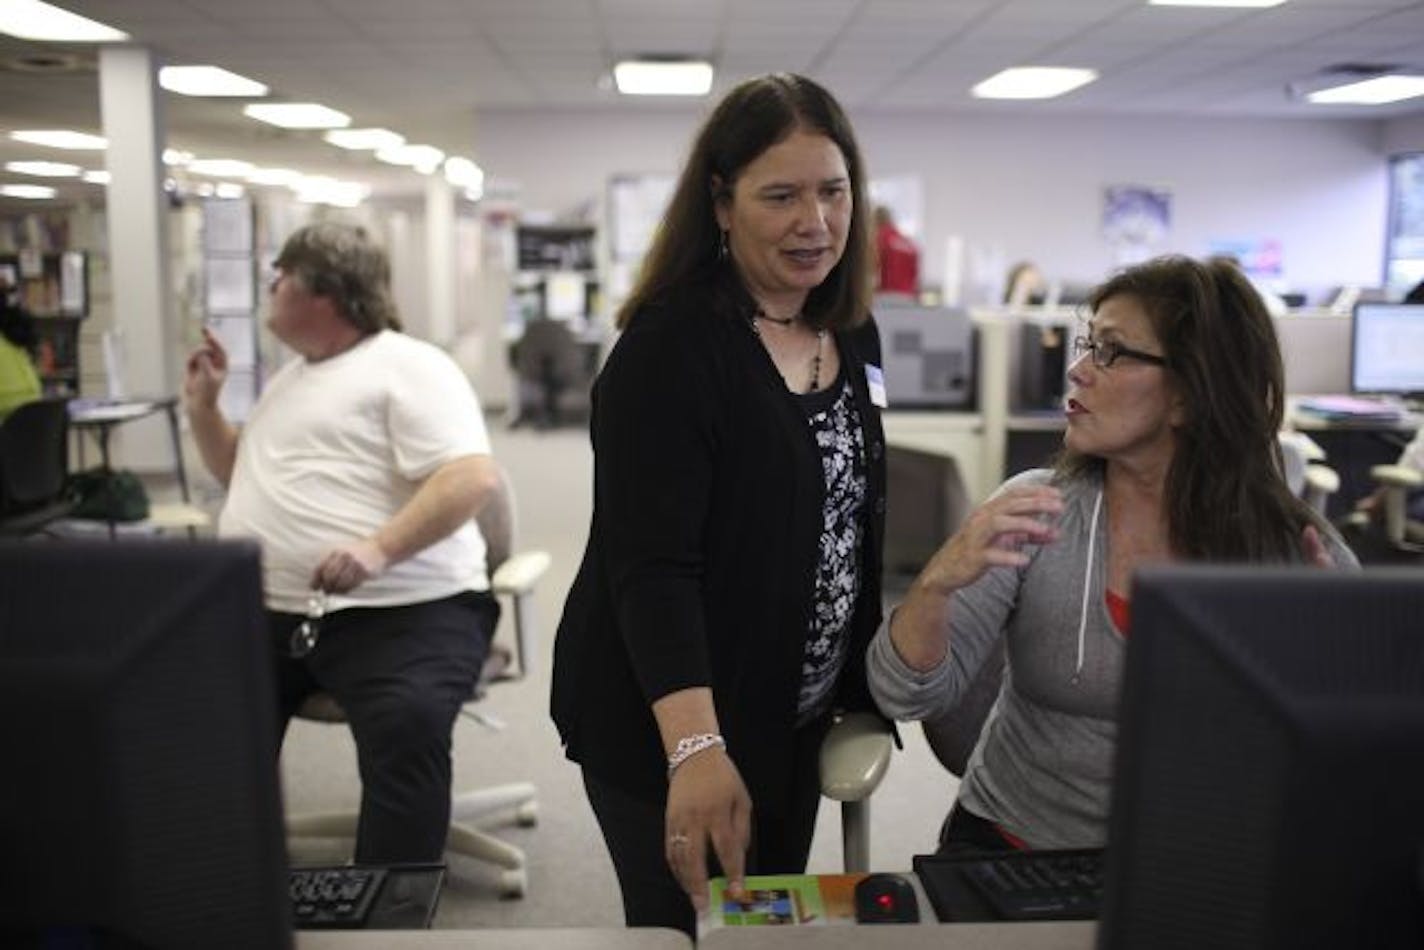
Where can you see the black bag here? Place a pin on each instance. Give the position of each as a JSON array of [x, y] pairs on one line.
[[108, 495]]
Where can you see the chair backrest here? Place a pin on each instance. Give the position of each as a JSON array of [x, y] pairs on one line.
[[34, 455], [548, 348]]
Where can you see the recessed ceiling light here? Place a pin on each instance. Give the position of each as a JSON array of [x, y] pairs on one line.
[[319, 189], [177, 156], [44, 169], [463, 173], [1033, 82], [27, 191], [33, 20], [97, 177], [208, 81], [62, 138], [423, 158], [221, 167], [1216, 3], [655, 77], [229, 189], [364, 138], [297, 115], [274, 176], [1370, 92]]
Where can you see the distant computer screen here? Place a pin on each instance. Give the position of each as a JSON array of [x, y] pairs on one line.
[[139, 800], [1387, 349], [1269, 784]]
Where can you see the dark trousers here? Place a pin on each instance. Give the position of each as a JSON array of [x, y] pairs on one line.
[[634, 830], [965, 833], [401, 675]]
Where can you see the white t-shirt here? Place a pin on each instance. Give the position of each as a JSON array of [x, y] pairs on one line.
[[335, 448]]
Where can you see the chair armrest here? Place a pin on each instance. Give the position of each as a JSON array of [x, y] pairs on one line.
[[520, 572], [855, 756], [1401, 476]]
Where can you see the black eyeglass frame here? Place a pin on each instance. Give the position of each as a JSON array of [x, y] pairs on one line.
[[1108, 352]]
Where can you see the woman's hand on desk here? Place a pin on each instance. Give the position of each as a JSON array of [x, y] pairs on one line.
[[707, 803], [207, 371]]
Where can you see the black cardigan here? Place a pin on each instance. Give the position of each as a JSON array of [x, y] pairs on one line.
[[701, 557]]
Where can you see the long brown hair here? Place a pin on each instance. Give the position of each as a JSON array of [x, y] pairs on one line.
[[753, 117], [1226, 496]]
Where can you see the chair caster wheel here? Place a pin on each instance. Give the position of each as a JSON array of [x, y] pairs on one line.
[[527, 815], [513, 884]]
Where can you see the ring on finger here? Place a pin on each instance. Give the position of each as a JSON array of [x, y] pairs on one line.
[[678, 839]]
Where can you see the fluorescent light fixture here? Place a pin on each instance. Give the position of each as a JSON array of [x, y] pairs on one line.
[[653, 77], [1216, 3], [208, 81], [177, 156], [33, 20], [274, 176], [27, 191], [1370, 92], [44, 169], [463, 173], [297, 115], [221, 167], [62, 138], [1033, 82], [319, 189], [423, 158], [229, 189], [97, 177], [364, 139]]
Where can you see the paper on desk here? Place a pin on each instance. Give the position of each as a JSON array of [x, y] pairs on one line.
[[785, 900]]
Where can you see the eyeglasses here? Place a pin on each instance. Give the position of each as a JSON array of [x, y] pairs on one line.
[[306, 634], [1106, 353]]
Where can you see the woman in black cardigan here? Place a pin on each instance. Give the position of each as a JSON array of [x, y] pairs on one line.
[[732, 576]]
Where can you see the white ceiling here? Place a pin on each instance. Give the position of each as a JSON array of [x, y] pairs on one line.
[[427, 68]]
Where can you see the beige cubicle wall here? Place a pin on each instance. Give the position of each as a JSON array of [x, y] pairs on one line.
[[972, 449]]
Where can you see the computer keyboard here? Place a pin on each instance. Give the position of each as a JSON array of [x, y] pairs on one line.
[[1039, 885], [337, 897]]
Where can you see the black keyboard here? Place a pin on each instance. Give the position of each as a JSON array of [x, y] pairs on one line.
[[336, 897], [1039, 885]]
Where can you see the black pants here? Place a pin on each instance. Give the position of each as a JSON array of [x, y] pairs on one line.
[[634, 830], [401, 675], [965, 833]]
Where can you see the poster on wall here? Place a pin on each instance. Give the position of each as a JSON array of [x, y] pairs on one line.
[[1136, 221], [1258, 258]]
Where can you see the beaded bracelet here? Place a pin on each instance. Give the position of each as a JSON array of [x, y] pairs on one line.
[[688, 746]]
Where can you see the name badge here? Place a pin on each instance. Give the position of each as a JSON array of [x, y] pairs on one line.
[[875, 380]]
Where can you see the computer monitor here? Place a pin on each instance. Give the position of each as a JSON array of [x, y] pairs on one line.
[[139, 800], [1387, 349], [1269, 784]]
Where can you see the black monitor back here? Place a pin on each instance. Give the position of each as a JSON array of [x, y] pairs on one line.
[[140, 800], [1269, 786]]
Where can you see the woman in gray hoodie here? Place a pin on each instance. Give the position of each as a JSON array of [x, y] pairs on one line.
[[1174, 403]]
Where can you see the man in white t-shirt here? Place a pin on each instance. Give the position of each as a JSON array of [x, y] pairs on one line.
[[359, 472]]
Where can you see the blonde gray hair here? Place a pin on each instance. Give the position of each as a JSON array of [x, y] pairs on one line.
[[342, 263]]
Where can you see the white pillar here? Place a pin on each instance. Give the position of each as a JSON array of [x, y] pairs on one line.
[[138, 242], [440, 259]]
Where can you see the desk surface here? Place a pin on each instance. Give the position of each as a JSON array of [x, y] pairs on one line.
[[1051, 935], [1064, 935], [511, 939], [85, 412]]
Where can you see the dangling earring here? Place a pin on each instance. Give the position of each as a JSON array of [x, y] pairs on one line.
[[722, 245]]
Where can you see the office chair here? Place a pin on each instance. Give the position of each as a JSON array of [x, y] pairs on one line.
[[513, 576], [1306, 475], [548, 361], [34, 465], [1402, 528]]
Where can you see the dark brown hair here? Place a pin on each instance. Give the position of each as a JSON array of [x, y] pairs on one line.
[[342, 263], [753, 117], [1226, 497]]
